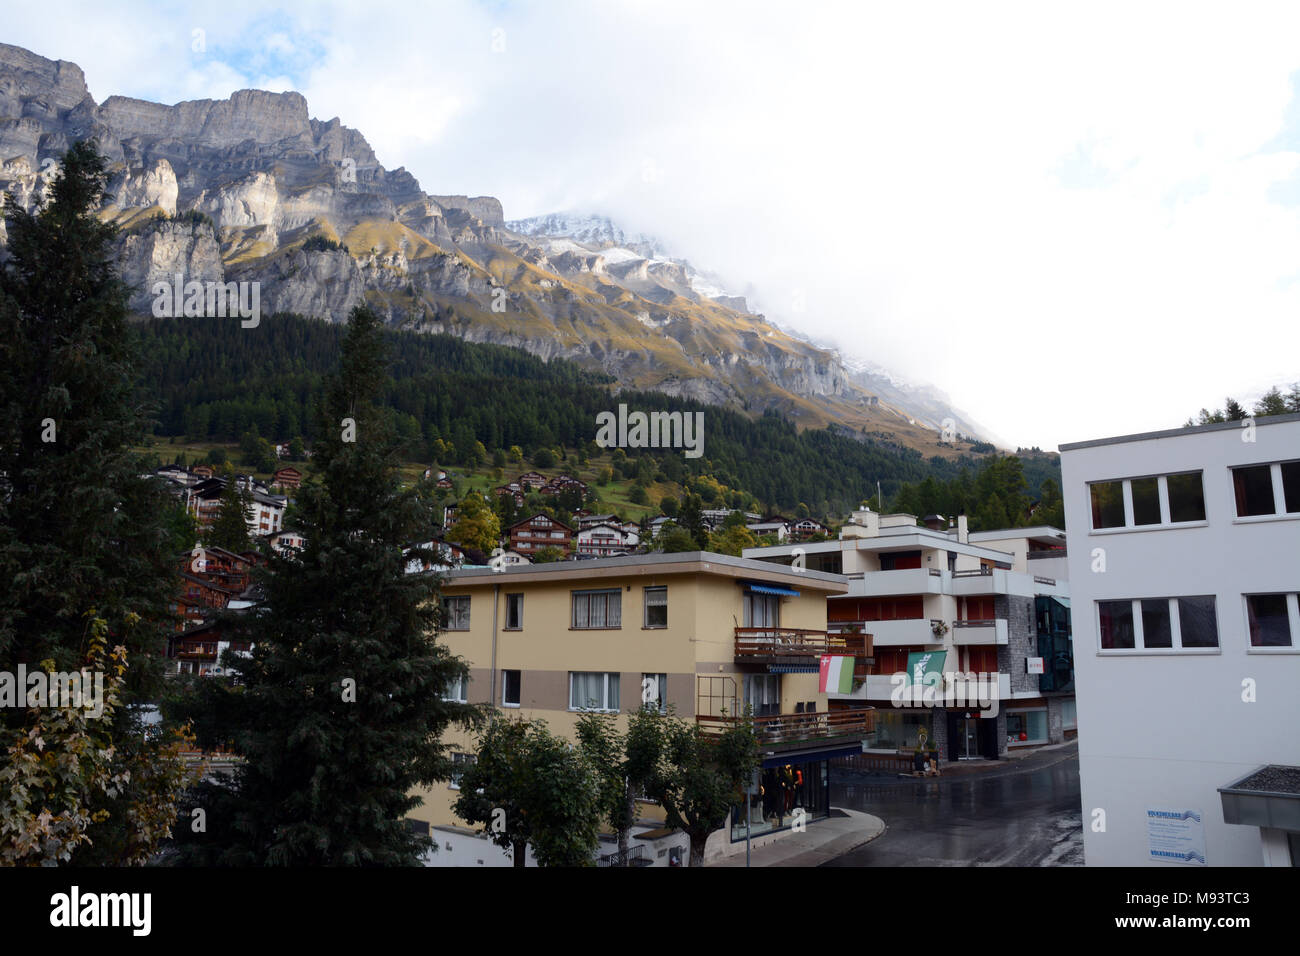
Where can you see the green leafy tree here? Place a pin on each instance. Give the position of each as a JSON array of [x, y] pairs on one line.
[[339, 709], [528, 787], [547, 555], [544, 458], [732, 540], [696, 777], [477, 525], [624, 769], [675, 540], [84, 543]]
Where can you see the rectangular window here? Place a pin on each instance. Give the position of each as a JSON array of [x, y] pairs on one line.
[[1269, 619], [656, 607], [1069, 714], [593, 691], [460, 762], [1155, 624], [456, 690], [1262, 490], [1291, 485], [654, 692], [597, 609], [1197, 619], [1107, 504], [761, 610], [510, 686], [1146, 501], [1253, 490], [514, 612], [1116, 624], [1158, 624], [455, 613], [1186, 497]]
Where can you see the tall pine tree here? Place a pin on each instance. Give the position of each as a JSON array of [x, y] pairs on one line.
[[340, 709], [84, 546]]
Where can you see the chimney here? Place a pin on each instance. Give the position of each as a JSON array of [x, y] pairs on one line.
[[962, 534], [933, 522], [864, 523]]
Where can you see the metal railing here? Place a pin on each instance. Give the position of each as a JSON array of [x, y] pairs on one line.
[[635, 856]]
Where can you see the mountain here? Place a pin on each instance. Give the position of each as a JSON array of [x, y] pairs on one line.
[[233, 190]]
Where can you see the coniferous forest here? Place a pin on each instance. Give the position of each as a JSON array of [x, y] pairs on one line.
[[215, 380]]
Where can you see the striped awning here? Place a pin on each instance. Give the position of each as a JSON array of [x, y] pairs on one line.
[[792, 669]]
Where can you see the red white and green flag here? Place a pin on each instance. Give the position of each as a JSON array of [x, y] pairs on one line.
[[836, 674]]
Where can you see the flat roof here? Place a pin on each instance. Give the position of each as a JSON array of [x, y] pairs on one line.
[[903, 539], [1175, 432], [686, 562]]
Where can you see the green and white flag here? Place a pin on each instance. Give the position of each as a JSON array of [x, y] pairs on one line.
[[836, 674]]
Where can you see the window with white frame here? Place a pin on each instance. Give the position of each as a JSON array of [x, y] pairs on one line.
[[654, 692], [1272, 620], [598, 609], [1158, 624], [460, 762], [510, 688], [1268, 490], [455, 613], [656, 607], [1151, 502], [593, 691], [514, 612], [456, 690]]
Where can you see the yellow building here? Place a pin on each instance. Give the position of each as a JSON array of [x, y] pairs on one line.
[[709, 634]]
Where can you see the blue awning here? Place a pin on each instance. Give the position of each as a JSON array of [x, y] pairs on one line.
[[793, 669], [772, 589]]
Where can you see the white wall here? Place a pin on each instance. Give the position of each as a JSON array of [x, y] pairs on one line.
[[1166, 729]]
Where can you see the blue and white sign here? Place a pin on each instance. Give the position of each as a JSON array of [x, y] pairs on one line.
[[1176, 836]]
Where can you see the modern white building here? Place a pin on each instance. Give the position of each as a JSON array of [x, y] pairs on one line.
[[934, 596], [1184, 555]]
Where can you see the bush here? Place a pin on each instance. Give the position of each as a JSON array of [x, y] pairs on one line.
[[319, 243]]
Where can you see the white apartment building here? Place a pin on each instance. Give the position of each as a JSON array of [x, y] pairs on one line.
[[936, 597], [1184, 554]]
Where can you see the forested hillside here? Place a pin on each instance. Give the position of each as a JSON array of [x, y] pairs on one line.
[[215, 380]]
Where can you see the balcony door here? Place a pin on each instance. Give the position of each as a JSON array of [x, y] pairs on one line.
[[763, 694]]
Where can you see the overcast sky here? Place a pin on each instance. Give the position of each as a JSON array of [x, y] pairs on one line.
[[1078, 221]]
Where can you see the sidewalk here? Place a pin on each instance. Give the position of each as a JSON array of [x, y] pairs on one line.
[[1010, 759], [823, 840]]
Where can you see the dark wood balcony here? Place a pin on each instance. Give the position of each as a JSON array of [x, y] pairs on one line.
[[776, 644], [795, 729]]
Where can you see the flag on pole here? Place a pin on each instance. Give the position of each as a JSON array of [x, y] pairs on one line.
[[836, 674]]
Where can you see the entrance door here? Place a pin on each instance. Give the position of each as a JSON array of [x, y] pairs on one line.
[[970, 734]]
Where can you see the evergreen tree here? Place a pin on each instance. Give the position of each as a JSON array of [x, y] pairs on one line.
[[85, 551], [229, 528], [341, 708]]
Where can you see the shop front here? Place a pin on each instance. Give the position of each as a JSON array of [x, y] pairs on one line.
[[792, 788]]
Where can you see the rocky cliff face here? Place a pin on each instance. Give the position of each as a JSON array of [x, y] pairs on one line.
[[230, 190]]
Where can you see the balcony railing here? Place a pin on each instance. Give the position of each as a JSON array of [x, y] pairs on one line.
[[773, 643], [791, 728]]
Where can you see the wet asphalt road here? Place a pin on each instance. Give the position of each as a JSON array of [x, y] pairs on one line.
[[1026, 814]]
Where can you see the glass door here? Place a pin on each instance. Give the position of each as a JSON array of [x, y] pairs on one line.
[[970, 746]]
